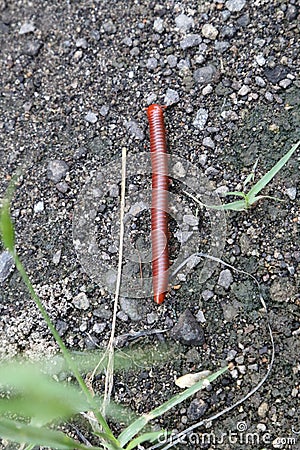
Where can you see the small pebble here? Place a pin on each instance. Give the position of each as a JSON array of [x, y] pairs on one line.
[[99, 327], [81, 301], [193, 221], [39, 207], [190, 41], [200, 317], [276, 74], [197, 409], [61, 327], [269, 96], [32, 48], [158, 25], [56, 170], [235, 5], [285, 83], [171, 97], [201, 119], [56, 257], [91, 117], [152, 318], [230, 311], [151, 63], [184, 22], [27, 28], [6, 265], [172, 61], [81, 43], [260, 81], [291, 192], [114, 191], [244, 90], [209, 31], [260, 59], [134, 129], [205, 75], [222, 46], [207, 294], [231, 355], [225, 279], [179, 170], [133, 308], [104, 110], [263, 409], [109, 27], [207, 90], [208, 142], [62, 187], [187, 330]]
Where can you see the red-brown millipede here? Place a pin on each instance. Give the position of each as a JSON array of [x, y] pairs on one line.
[[159, 206]]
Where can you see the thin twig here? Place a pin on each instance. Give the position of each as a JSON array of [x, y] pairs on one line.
[[109, 379]]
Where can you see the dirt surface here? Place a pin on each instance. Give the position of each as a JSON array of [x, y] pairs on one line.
[[76, 77]]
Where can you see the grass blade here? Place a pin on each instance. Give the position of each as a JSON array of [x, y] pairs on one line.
[[239, 205], [6, 227], [146, 437], [29, 434], [35, 395], [7, 234], [236, 193], [271, 173], [139, 424]]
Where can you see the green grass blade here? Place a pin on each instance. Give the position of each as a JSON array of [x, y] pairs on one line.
[[6, 227], [239, 205], [29, 434], [236, 193], [146, 437], [7, 234], [139, 424], [107, 442], [34, 395], [253, 200], [271, 173]]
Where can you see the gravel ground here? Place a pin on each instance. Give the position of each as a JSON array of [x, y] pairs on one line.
[[76, 77]]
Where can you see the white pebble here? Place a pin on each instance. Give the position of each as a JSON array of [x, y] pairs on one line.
[[81, 301], [39, 207], [91, 117], [158, 25], [292, 193], [209, 31]]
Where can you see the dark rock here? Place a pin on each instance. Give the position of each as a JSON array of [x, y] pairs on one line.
[[32, 48], [205, 75], [61, 327], [196, 409], [277, 74], [187, 330], [291, 13]]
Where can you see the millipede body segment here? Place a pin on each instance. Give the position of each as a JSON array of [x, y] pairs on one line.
[[159, 206]]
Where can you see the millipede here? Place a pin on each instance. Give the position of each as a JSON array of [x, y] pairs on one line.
[[159, 202]]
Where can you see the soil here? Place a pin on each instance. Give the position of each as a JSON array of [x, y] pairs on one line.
[[76, 78]]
